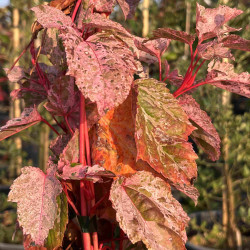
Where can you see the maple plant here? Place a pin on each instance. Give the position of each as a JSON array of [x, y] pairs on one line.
[[121, 143]]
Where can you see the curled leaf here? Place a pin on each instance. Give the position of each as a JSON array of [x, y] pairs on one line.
[[236, 42], [205, 135], [146, 211], [28, 118], [222, 75], [174, 35]]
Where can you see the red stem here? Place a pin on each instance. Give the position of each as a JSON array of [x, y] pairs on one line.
[[45, 121], [59, 124], [75, 10], [85, 236], [160, 70], [67, 123]]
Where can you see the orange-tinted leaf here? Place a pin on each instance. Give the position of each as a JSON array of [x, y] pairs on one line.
[[113, 145], [162, 130]]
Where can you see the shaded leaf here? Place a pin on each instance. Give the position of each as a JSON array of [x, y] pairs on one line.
[[161, 134], [113, 145], [56, 234], [147, 211], [16, 74], [35, 194], [62, 97], [210, 22], [103, 5], [174, 35], [128, 7], [70, 153], [53, 48], [212, 50], [236, 42], [222, 75], [28, 118], [205, 135], [59, 143], [102, 66]]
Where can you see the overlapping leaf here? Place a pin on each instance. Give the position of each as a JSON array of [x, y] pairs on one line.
[[56, 234], [62, 98], [147, 211], [210, 22], [161, 134], [174, 35], [29, 117], [222, 75], [212, 50], [35, 194], [236, 42], [57, 145], [113, 145], [128, 7], [205, 135]]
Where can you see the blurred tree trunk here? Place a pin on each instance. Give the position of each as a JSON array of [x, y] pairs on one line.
[[15, 106], [145, 13], [188, 20]]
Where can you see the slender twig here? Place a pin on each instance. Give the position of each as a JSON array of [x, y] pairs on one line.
[[45, 121]]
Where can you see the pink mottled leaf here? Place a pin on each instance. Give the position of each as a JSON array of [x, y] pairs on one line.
[[80, 172], [161, 134], [128, 7], [102, 66], [35, 194], [214, 49], [205, 135], [62, 97], [236, 42], [174, 35], [50, 17], [16, 74], [103, 5], [155, 47], [98, 21], [173, 77], [222, 75], [146, 211], [28, 118], [210, 22]]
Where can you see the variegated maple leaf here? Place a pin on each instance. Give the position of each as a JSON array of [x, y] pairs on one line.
[[146, 211], [128, 7], [161, 134], [35, 194]]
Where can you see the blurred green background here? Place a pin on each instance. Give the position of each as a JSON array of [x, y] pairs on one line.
[[223, 185]]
